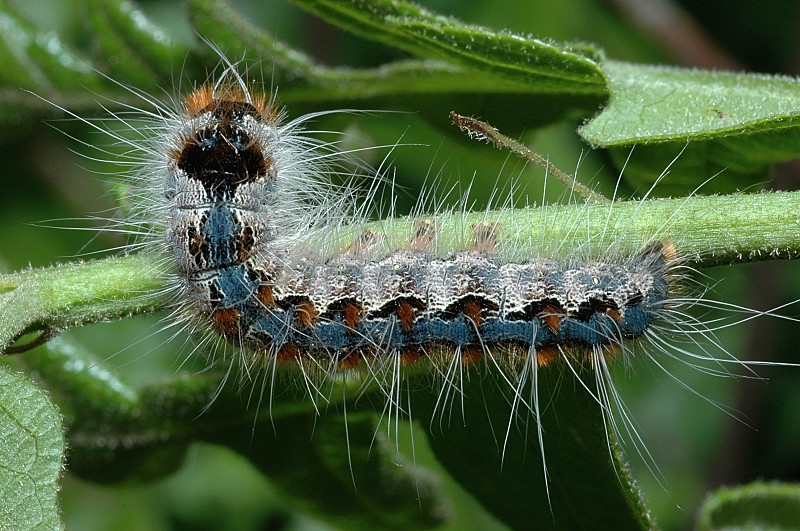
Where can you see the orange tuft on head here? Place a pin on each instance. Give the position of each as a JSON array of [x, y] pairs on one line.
[[207, 97], [269, 112], [199, 99]]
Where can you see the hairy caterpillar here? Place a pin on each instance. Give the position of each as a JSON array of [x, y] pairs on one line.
[[257, 281], [593, 301], [279, 286]]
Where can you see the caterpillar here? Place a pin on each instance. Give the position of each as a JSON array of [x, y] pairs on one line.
[[257, 277], [287, 269], [259, 285]]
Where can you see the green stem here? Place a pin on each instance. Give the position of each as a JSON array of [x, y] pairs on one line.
[[50, 299]]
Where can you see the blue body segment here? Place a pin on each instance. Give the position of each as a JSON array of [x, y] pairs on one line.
[[386, 334], [277, 326], [219, 227]]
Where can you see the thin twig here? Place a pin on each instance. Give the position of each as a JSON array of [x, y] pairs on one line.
[[482, 131]]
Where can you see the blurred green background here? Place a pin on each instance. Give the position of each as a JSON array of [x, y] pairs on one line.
[[696, 445]]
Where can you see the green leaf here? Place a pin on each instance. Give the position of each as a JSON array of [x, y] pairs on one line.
[[764, 506], [430, 87], [35, 60], [343, 469], [731, 123], [538, 65], [132, 48], [117, 430], [31, 453], [128, 50], [665, 104], [492, 452]]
